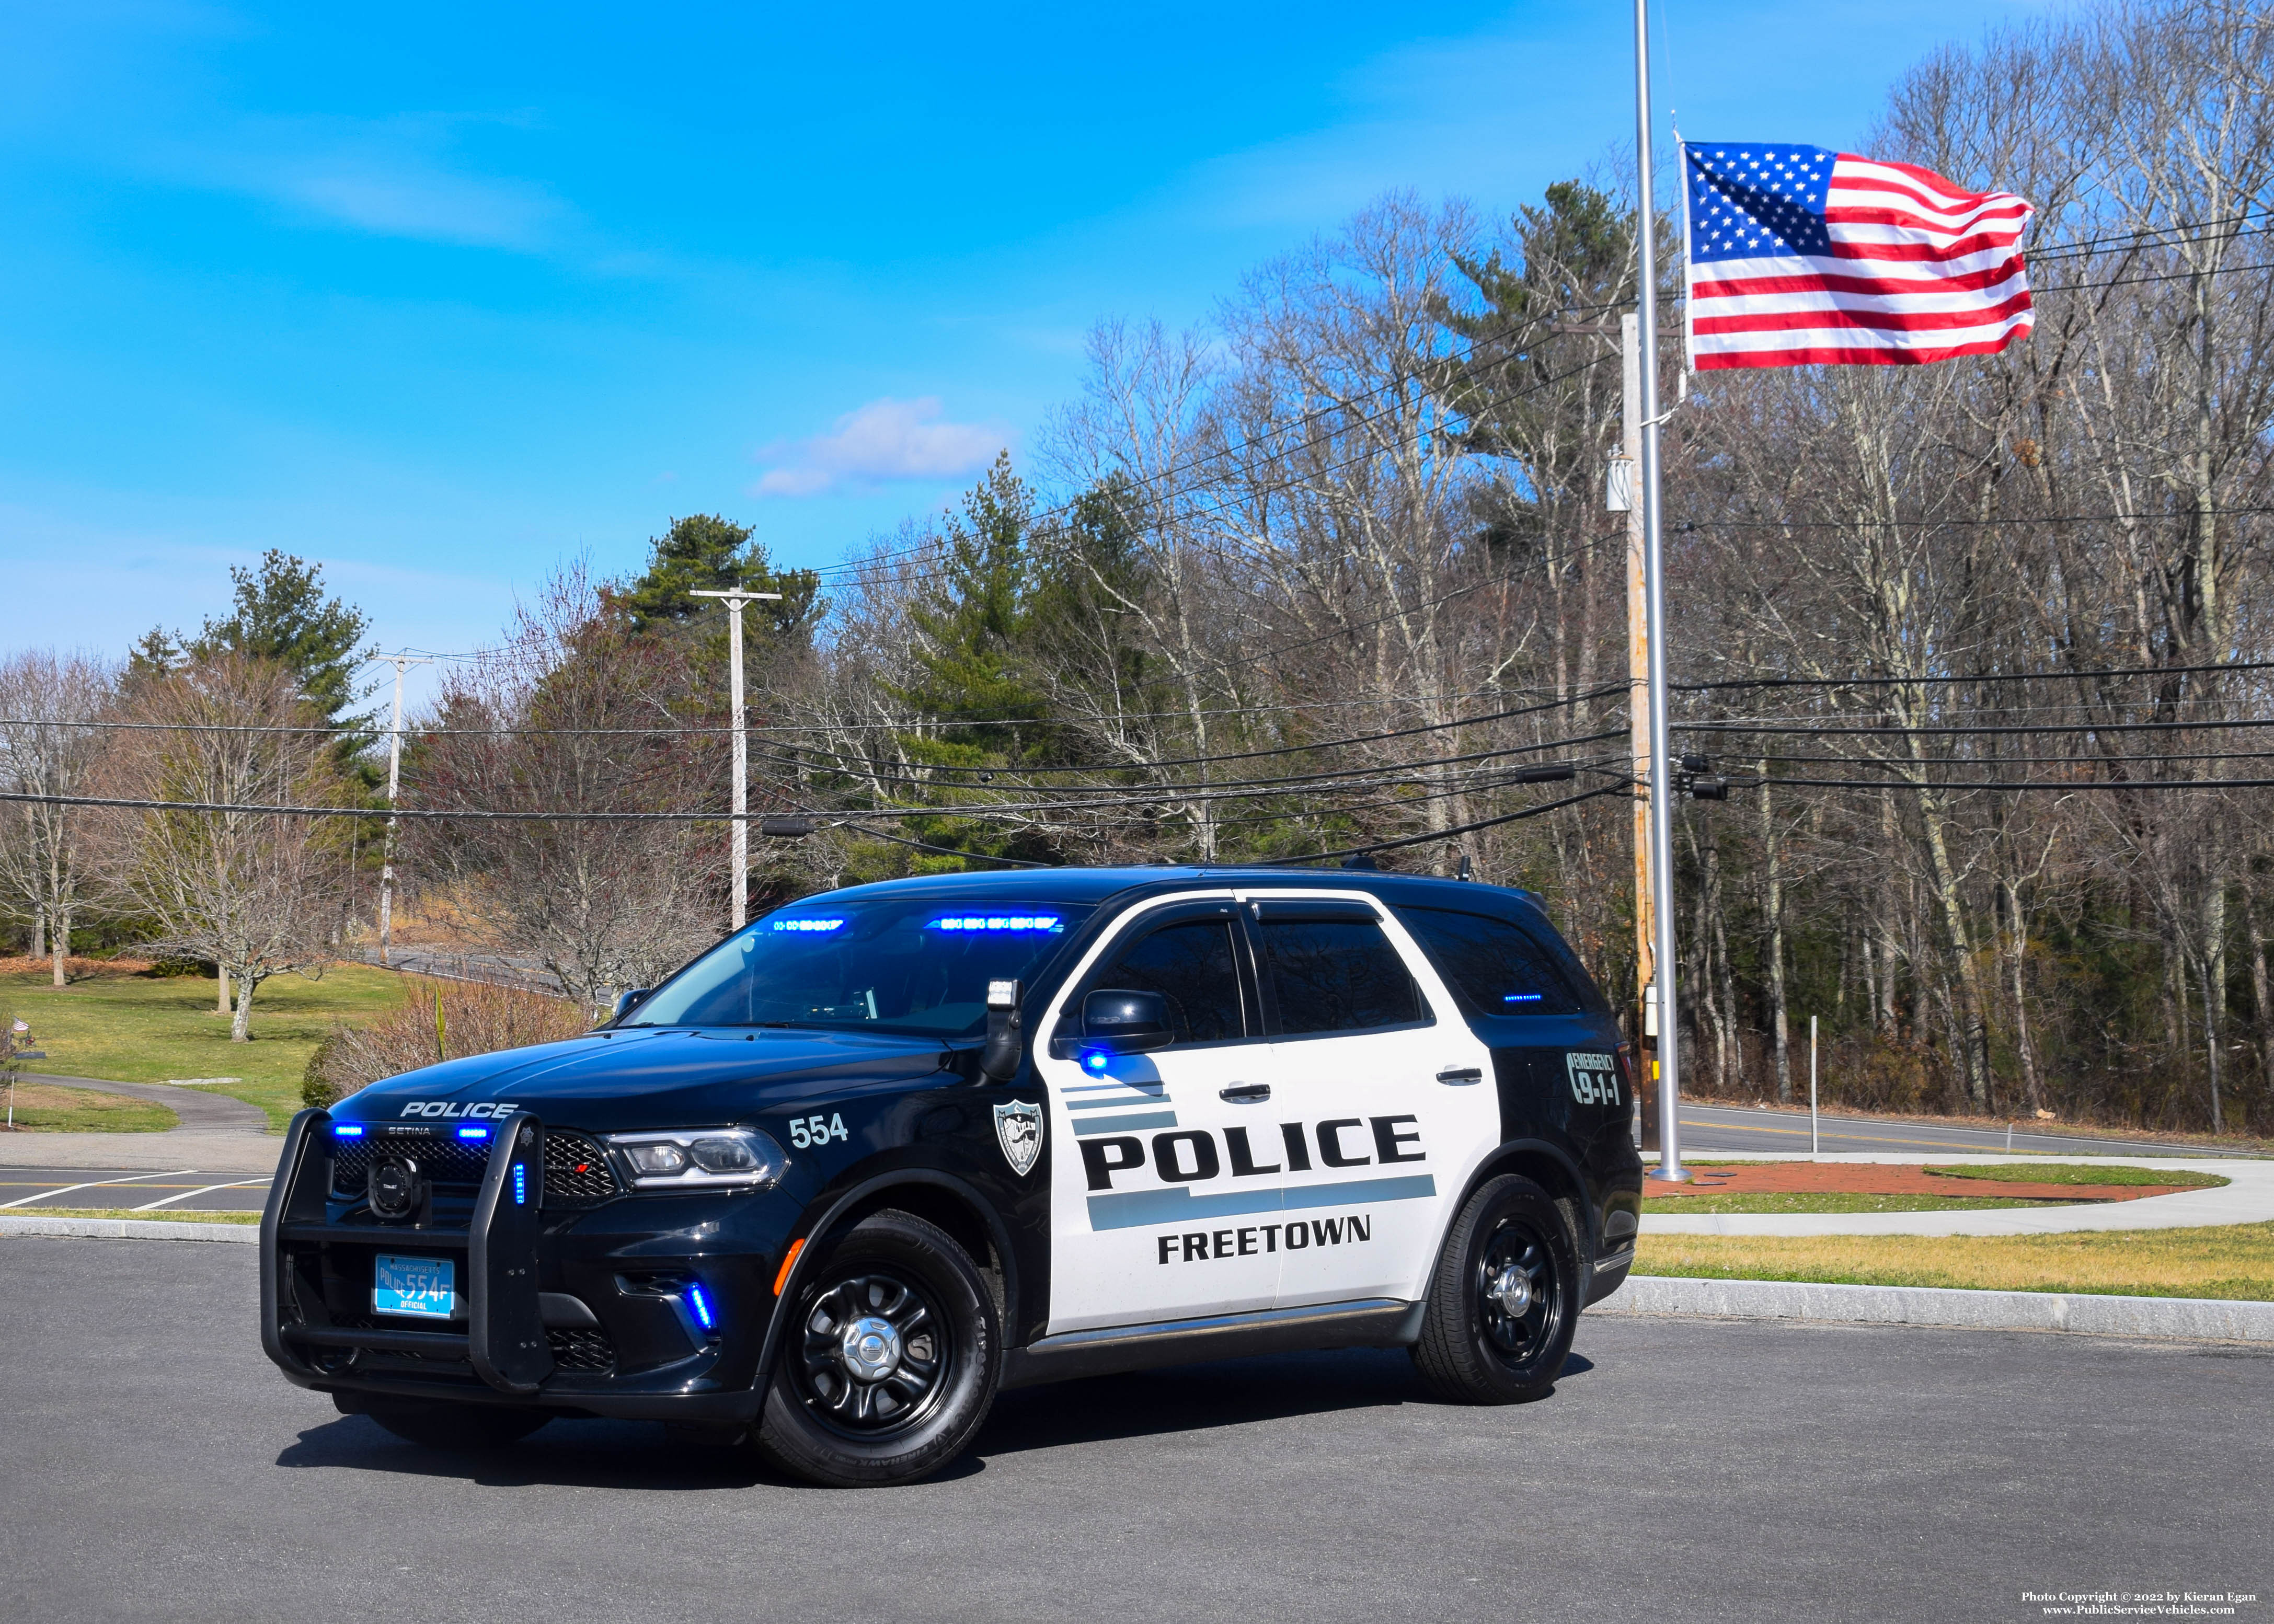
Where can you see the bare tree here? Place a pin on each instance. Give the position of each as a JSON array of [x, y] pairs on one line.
[[46, 748], [576, 714], [259, 893]]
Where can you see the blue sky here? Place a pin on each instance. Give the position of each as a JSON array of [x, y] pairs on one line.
[[441, 294]]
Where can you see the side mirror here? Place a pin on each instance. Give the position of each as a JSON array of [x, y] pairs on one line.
[[999, 1062], [1125, 1022], [629, 1000]]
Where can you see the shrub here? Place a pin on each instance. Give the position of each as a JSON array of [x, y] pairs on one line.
[[440, 1020]]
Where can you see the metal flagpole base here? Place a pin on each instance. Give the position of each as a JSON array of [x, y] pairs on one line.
[[1669, 1175]]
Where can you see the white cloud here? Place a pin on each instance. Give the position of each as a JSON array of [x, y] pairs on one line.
[[884, 441], [415, 200], [397, 177]]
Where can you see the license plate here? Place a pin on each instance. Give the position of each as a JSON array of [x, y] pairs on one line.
[[425, 1287]]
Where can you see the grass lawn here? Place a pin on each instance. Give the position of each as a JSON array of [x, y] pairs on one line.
[[2229, 1261], [166, 1216], [2083, 1173], [131, 1029], [45, 1109]]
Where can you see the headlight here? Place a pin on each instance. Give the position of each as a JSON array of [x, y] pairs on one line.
[[696, 1159]]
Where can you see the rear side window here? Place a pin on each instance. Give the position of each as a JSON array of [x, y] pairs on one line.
[[1192, 968], [1495, 966], [1336, 976]]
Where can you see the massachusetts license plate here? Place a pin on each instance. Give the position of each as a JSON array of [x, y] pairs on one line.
[[425, 1288]]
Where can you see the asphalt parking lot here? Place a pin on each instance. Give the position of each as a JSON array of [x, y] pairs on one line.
[[153, 1465], [28, 1189]]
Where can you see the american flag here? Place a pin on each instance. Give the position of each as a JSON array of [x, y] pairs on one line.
[[1800, 257]]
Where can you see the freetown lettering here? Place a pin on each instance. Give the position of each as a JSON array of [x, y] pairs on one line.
[[1200, 1245]]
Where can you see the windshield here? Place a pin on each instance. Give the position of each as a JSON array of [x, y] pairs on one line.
[[919, 967]]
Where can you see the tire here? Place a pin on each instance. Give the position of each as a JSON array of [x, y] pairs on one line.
[[453, 1426], [1504, 1301], [888, 1361]]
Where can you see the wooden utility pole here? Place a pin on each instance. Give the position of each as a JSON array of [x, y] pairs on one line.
[[401, 663], [741, 844]]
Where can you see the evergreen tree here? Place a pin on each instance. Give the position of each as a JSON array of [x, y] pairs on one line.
[[705, 552], [282, 616]]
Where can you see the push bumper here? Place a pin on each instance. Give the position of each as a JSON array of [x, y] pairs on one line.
[[532, 1279]]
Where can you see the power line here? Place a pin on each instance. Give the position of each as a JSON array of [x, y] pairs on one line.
[[1065, 508], [2050, 784], [1814, 728], [1928, 523], [2005, 676], [1447, 834]]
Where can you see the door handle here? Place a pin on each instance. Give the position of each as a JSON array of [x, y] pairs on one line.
[[1245, 1094], [1460, 1077]]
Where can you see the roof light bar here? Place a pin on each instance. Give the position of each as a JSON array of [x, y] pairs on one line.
[[998, 922], [808, 926]]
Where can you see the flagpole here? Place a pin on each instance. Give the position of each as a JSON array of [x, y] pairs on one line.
[[1670, 1167]]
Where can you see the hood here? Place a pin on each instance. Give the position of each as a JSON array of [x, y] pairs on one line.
[[674, 1078]]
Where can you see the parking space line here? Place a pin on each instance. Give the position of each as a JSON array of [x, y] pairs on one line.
[[95, 1184], [168, 1200]]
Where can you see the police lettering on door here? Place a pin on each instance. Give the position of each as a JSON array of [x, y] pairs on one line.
[[1190, 1156]]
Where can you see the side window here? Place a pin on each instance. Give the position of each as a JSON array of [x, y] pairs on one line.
[[1336, 976], [1190, 965], [1495, 966]]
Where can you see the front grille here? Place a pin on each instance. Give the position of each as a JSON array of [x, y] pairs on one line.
[[443, 1157], [574, 1169], [582, 1350], [575, 1172]]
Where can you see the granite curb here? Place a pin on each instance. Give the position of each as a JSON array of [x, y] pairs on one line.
[[2190, 1318], [128, 1228]]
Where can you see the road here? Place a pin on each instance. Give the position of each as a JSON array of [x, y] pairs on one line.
[[153, 1465], [1731, 1128], [28, 1189]]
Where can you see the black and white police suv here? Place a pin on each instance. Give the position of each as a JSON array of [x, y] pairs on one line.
[[892, 1148]]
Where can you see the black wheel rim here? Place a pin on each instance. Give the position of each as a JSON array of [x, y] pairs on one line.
[[874, 1353], [1519, 1296]]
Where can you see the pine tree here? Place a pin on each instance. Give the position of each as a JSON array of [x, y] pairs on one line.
[[705, 552]]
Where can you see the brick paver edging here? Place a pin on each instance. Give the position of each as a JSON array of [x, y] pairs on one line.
[[2207, 1318]]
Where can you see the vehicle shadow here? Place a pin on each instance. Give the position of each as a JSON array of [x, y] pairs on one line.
[[1193, 1398], [589, 1454], [643, 1455]]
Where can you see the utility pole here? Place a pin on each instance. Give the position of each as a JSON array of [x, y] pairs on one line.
[[401, 663], [734, 600], [1670, 1168], [1645, 915]]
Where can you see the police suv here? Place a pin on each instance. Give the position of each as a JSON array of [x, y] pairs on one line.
[[892, 1148]]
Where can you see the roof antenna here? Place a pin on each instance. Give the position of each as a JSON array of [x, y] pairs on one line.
[[1467, 870]]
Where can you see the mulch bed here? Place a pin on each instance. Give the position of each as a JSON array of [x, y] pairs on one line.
[[75, 968], [1875, 1178]]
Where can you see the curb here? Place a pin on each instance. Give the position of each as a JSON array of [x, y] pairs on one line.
[[130, 1230], [2193, 1318]]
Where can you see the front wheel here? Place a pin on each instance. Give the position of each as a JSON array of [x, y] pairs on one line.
[[891, 1362], [1504, 1301]]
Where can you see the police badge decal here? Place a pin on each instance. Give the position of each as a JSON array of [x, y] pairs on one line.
[[1019, 1130]]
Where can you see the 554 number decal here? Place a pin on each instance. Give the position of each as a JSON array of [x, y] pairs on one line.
[[807, 1131], [1594, 1077]]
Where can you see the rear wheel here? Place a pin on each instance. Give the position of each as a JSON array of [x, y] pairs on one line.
[[890, 1363], [453, 1426], [1504, 1301]]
